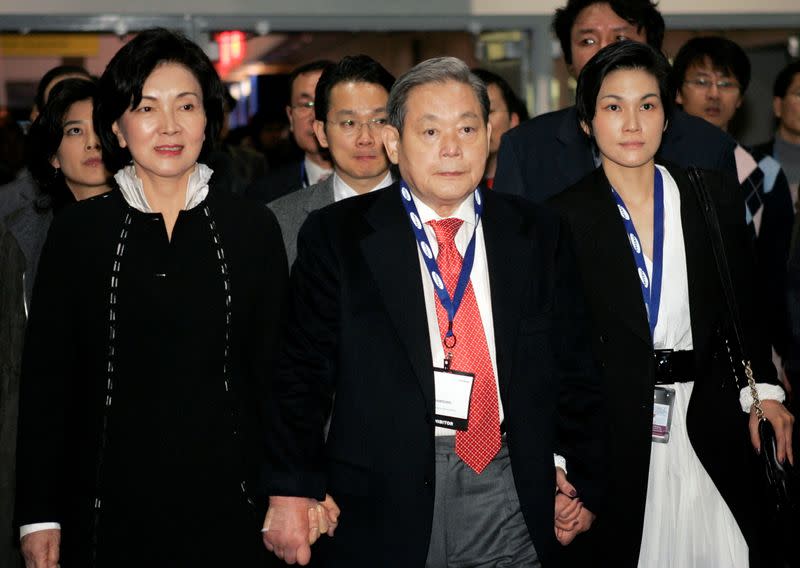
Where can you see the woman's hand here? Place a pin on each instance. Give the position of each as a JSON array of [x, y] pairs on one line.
[[782, 422]]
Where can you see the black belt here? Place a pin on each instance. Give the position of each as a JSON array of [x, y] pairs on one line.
[[673, 366]]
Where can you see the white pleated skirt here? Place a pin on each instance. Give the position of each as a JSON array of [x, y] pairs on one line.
[[687, 524]]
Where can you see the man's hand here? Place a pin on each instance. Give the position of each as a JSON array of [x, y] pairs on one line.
[[585, 520], [41, 548], [287, 528], [782, 422]]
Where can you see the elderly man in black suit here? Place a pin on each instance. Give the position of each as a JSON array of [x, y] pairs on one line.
[[449, 326], [545, 155]]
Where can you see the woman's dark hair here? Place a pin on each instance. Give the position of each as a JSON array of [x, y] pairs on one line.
[[46, 132], [351, 69], [619, 56], [725, 55], [643, 14], [51, 76], [120, 87]]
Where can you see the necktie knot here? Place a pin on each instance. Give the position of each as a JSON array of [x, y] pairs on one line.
[[445, 230]]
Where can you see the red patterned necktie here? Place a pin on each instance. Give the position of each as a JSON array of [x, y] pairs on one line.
[[481, 442]]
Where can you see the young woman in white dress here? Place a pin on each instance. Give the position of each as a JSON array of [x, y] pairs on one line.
[[659, 315]]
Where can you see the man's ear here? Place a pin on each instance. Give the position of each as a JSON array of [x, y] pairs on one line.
[[514, 120], [289, 116], [777, 103], [678, 97], [319, 131], [118, 133], [391, 141]]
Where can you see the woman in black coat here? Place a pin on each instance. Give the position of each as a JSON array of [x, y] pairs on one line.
[[684, 499], [150, 344]]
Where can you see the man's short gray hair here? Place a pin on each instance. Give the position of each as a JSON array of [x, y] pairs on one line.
[[436, 70]]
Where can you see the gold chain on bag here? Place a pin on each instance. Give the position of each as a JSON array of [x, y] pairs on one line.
[[753, 391]]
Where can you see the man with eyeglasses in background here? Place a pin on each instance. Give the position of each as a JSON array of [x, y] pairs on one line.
[[350, 109], [710, 76], [315, 165]]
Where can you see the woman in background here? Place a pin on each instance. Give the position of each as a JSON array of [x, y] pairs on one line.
[[63, 156]]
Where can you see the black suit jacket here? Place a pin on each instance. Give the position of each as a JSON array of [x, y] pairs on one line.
[[277, 183], [547, 154], [358, 329], [622, 344]]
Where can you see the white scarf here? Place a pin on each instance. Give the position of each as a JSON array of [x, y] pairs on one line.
[[133, 191]]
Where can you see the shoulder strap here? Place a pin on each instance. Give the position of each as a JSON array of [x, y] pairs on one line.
[[720, 258]]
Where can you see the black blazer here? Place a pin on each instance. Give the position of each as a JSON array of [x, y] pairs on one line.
[[276, 183], [547, 154], [622, 344], [358, 329]]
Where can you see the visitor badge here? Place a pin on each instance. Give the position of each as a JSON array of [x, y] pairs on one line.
[[453, 390], [663, 401]]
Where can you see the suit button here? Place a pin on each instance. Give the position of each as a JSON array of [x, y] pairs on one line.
[[603, 339], [427, 482]]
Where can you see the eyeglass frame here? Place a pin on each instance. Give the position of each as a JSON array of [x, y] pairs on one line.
[[703, 84], [305, 107], [359, 124]]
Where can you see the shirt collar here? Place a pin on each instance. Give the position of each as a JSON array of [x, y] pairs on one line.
[[132, 189], [341, 190], [465, 211], [315, 172]]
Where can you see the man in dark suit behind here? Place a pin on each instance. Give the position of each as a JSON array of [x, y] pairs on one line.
[[370, 320], [549, 153], [315, 165]]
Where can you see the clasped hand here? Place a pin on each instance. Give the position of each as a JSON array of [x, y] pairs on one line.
[[293, 524], [571, 517]]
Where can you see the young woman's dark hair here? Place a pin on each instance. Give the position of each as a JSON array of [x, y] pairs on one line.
[[726, 56], [120, 87], [47, 131], [53, 74], [615, 57], [640, 13], [352, 68]]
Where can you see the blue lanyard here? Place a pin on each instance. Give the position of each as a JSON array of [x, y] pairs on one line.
[[450, 305], [651, 286], [303, 174]]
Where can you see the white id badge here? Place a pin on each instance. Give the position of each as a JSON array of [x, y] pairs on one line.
[[453, 390], [663, 400]]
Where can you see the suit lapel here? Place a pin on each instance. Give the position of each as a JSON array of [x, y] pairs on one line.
[[508, 258], [609, 253], [391, 254], [319, 196]]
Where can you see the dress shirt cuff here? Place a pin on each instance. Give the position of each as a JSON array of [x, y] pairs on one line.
[[560, 461], [25, 530], [766, 391]]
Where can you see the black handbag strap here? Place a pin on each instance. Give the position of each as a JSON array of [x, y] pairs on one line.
[[717, 245]]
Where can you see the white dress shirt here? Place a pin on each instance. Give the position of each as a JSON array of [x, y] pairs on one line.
[[480, 285], [342, 191], [315, 173]]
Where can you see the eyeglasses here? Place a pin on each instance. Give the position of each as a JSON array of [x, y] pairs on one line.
[[705, 84], [304, 108], [351, 127]]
